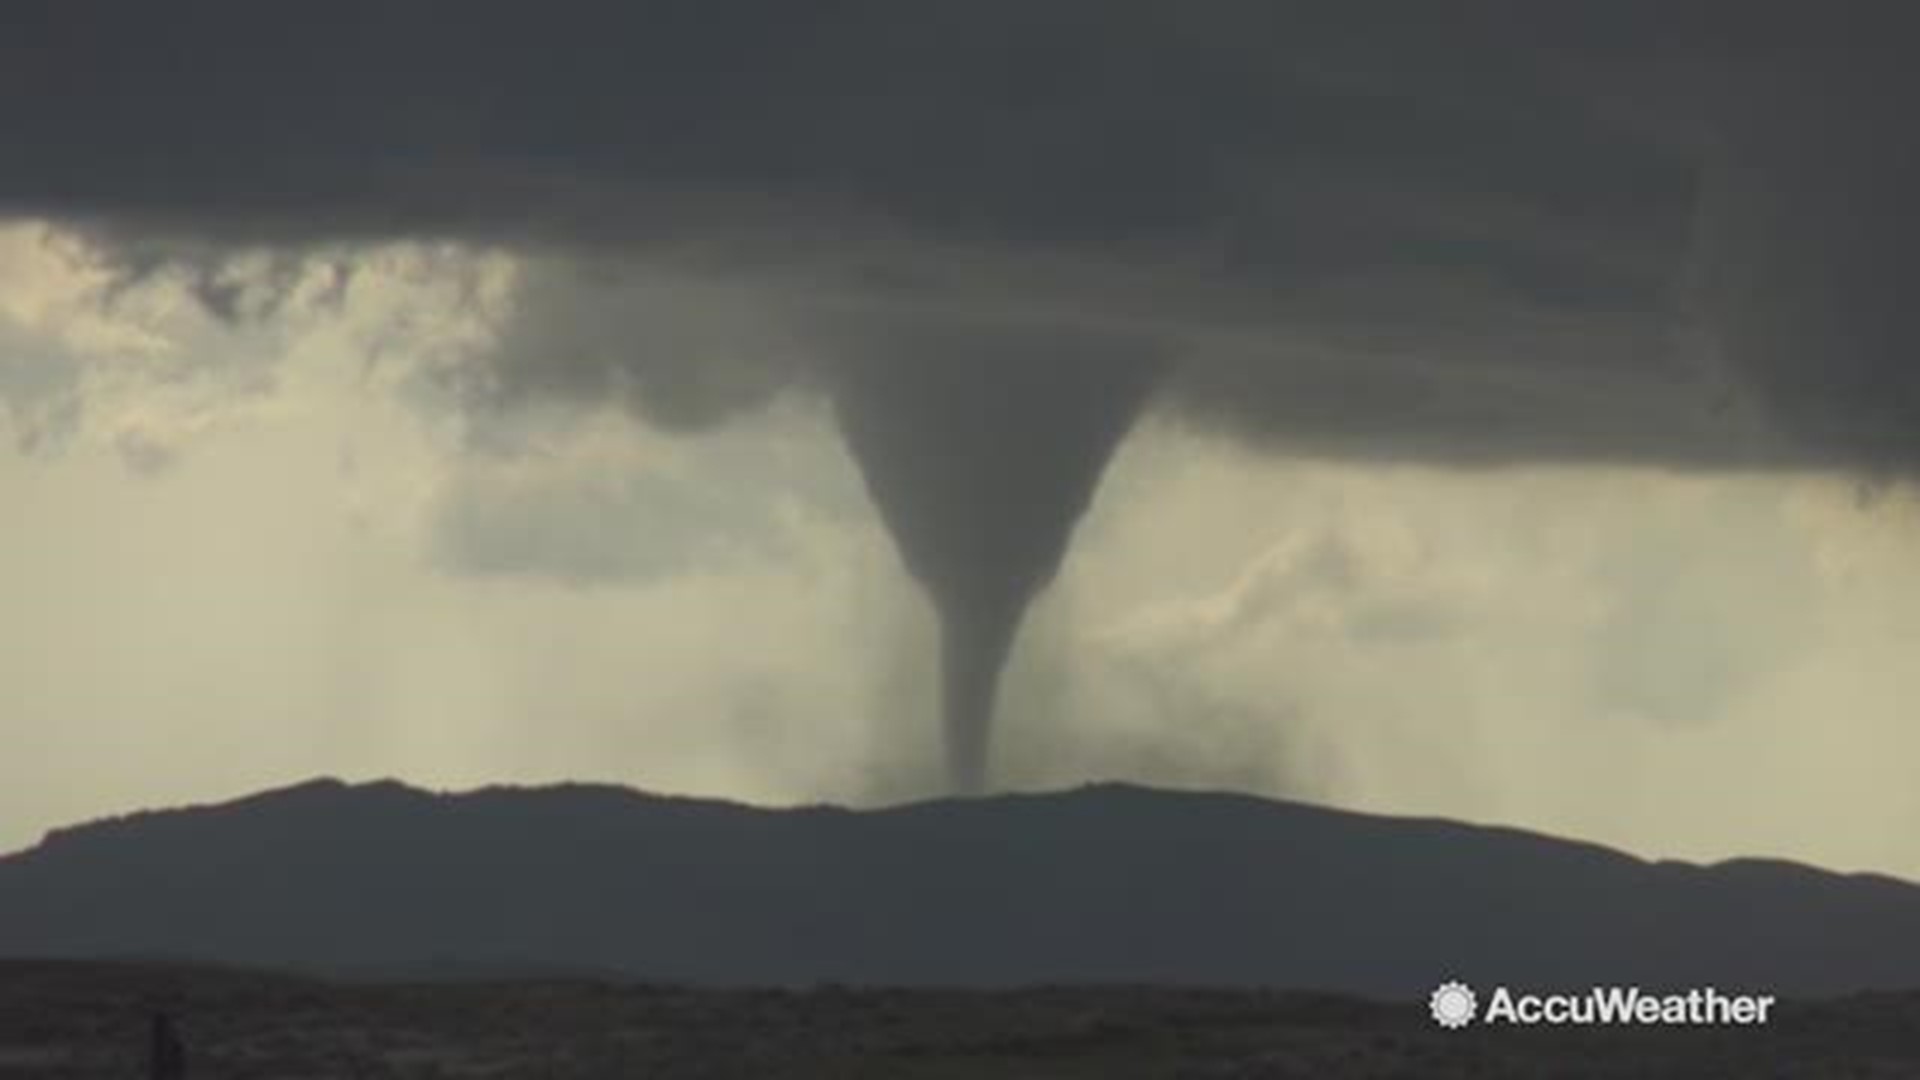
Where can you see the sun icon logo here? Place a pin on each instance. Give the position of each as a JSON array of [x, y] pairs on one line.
[[1452, 1005]]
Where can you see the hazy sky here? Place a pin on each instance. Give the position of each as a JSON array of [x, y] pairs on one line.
[[1531, 416]]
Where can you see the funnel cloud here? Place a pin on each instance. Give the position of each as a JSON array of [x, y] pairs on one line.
[[981, 465]]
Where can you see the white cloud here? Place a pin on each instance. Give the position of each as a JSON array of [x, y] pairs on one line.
[[1670, 662]]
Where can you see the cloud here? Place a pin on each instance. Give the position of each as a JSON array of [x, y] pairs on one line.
[[676, 350], [1644, 234], [600, 503], [1493, 236], [982, 448], [1501, 235], [1672, 661]]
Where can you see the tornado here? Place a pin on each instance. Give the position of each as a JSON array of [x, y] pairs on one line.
[[982, 447]]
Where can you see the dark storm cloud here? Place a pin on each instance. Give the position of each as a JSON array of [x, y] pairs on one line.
[[1808, 252], [1475, 232], [1393, 230], [1267, 141], [681, 353]]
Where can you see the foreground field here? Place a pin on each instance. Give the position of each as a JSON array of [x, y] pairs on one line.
[[90, 1020]]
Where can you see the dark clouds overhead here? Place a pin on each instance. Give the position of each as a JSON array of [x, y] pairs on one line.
[[1048, 123], [1491, 232]]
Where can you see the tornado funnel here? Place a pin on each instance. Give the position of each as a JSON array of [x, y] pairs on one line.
[[982, 448]]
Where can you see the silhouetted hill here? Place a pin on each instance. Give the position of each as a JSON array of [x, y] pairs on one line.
[[1106, 883]]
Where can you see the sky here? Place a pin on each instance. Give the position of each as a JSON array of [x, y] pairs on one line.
[[1485, 419]]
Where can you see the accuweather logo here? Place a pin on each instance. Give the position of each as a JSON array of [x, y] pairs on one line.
[[1454, 1005]]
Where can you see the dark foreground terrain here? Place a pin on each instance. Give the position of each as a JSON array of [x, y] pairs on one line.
[[90, 1020]]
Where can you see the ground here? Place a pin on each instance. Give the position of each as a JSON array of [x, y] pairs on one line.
[[61, 1020]]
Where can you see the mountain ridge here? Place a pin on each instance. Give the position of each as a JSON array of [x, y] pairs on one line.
[[1104, 882]]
